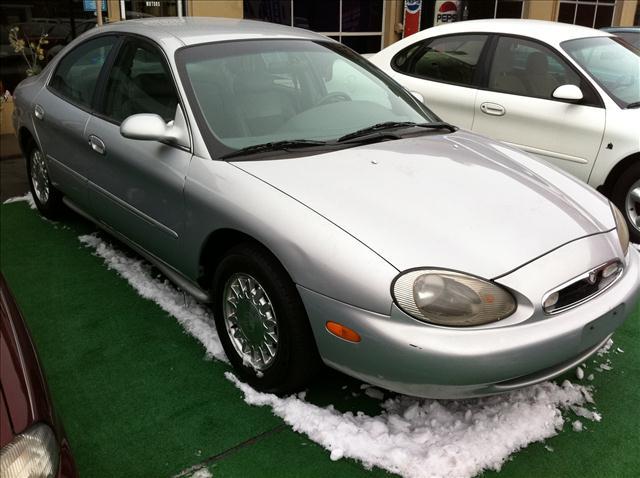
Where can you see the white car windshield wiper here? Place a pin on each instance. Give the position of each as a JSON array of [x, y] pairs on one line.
[[388, 125], [635, 104], [274, 146]]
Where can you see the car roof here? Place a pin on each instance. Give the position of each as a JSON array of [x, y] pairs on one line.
[[195, 30], [550, 32]]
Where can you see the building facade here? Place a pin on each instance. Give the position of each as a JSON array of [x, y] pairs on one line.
[[369, 25], [364, 25]]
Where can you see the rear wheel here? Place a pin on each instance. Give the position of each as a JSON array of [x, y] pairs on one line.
[[626, 196], [47, 198], [262, 322]]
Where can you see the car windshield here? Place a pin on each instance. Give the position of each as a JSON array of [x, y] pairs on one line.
[[612, 63], [255, 92]]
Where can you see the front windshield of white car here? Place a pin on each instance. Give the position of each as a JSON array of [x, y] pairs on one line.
[[613, 64], [256, 92]]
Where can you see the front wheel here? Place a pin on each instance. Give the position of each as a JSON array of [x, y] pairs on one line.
[[46, 197], [262, 322], [626, 196]]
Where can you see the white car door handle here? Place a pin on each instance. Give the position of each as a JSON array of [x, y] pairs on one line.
[[97, 144], [38, 112], [492, 109]]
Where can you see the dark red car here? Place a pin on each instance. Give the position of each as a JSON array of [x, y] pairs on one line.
[[32, 441]]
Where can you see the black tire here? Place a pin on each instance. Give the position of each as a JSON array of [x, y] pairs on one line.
[[619, 193], [49, 205], [296, 359]]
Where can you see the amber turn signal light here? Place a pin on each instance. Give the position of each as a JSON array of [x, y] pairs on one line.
[[343, 332]]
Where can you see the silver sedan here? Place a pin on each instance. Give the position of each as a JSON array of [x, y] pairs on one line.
[[324, 212]]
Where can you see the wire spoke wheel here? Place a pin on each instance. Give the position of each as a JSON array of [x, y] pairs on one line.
[[250, 321], [39, 176]]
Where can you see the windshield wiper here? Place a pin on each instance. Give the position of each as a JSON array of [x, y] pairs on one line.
[[387, 125], [274, 146], [635, 104]]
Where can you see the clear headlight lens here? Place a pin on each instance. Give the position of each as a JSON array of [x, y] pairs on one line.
[[34, 453], [451, 298], [621, 227]]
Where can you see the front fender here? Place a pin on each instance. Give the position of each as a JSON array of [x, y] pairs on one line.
[[317, 254]]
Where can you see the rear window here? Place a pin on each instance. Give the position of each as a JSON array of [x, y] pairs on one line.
[[450, 59]]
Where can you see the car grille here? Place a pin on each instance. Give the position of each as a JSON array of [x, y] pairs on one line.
[[582, 288]]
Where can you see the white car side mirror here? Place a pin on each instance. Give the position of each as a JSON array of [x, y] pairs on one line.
[[417, 96], [151, 127], [568, 93]]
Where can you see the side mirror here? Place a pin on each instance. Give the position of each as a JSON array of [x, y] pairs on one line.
[[417, 96], [568, 93], [151, 127], [145, 126]]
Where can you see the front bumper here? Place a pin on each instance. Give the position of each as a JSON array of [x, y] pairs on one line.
[[402, 354]]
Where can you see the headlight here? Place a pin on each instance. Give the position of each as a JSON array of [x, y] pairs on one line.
[[451, 298], [33, 453], [621, 227]]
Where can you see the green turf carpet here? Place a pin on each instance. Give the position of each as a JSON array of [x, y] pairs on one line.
[[138, 398]]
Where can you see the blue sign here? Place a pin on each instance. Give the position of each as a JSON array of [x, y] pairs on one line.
[[90, 5]]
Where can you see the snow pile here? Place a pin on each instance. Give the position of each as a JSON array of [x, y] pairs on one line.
[[412, 437], [433, 438], [196, 319], [26, 198]]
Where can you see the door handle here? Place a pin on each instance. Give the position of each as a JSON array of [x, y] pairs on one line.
[[38, 112], [97, 144], [493, 109]]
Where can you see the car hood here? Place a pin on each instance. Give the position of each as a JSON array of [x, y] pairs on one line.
[[458, 201]]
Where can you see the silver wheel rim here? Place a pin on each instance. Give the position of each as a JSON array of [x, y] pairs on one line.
[[39, 176], [250, 321], [632, 205]]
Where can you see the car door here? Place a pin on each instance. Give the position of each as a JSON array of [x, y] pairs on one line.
[[517, 106], [61, 113], [444, 70], [136, 186]]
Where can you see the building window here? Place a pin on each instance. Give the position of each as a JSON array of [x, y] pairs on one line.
[[475, 10], [131, 9], [588, 13], [355, 23]]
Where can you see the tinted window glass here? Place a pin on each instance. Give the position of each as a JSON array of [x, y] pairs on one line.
[[522, 67], [362, 16], [273, 11], [451, 59], [317, 16], [76, 76], [140, 82]]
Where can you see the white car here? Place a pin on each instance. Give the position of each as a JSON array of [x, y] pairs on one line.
[[565, 93]]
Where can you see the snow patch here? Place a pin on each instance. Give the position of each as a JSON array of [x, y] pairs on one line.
[[202, 473], [577, 426], [579, 373], [436, 438], [586, 413], [605, 348], [195, 318], [28, 198], [374, 393]]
